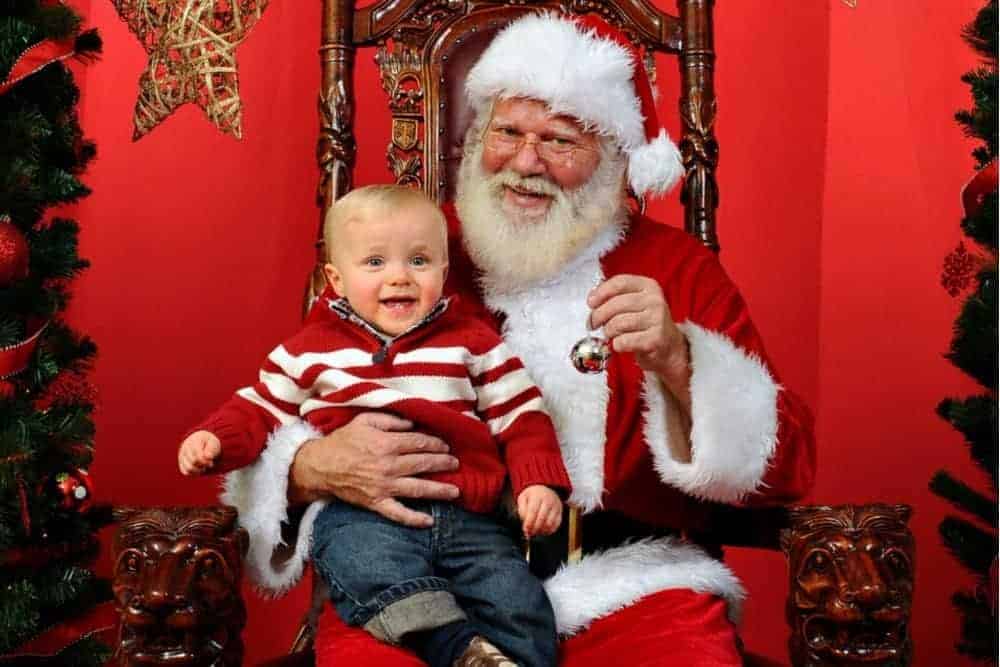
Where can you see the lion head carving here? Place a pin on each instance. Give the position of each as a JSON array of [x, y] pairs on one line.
[[177, 586], [851, 570]]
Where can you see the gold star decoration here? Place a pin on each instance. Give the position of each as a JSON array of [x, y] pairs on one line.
[[192, 57]]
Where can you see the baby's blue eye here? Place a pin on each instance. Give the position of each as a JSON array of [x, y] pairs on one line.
[[418, 261], [374, 261]]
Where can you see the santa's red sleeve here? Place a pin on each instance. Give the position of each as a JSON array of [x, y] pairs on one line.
[[751, 439]]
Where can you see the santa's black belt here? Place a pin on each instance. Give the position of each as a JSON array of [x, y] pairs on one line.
[[598, 530]]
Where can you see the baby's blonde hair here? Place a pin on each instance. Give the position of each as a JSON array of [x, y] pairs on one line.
[[375, 201]]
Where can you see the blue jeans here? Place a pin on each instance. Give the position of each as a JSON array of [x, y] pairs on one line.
[[439, 586]]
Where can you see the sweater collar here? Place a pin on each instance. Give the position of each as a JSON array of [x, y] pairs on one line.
[[342, 308]]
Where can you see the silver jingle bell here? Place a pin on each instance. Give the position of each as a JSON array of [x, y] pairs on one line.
[[590, 355]]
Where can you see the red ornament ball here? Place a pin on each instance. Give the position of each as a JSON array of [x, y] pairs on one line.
[[7, 389], [74, 489], [13, 253]]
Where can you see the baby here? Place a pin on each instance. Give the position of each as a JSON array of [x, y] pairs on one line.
[[461, 590]]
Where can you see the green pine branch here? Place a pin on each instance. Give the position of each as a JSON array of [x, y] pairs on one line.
[[964, 497], [63, 586], [70, 348], [22, 132], [19, 615], [972, 546], [54, 249], [8, 532], [980, 122], [980, 638], [982, 226], [56, 21], [976, 418], [44, 599], [975, 343], [16, 35], [981, 33]]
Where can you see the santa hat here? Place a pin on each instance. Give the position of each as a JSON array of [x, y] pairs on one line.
[[586, 69]]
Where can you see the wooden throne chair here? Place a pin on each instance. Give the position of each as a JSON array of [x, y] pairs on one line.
[[850, 567]]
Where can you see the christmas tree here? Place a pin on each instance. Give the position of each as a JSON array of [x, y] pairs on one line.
[[973, 538], [47, 523]]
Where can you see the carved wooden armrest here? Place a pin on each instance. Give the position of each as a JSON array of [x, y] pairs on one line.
[[177, 573], [850, 584]]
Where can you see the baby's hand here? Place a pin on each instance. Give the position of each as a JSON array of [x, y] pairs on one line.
[[198, 453], [540, 510]]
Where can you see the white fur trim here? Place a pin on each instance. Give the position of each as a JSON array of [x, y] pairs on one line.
[[552, 59], [655, 167], [259, 493], [602, 583], [734, 421], [552, 315]]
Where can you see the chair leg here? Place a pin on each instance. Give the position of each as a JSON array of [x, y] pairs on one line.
[[305, 638]]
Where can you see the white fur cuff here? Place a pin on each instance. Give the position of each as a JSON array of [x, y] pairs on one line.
[[602, 583], [734, 420], [260, 494]]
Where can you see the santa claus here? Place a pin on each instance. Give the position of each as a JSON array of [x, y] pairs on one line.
[[545, 247]]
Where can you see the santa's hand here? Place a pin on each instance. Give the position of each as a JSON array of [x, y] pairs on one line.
[[198, 452], [636, 318], [370, 462], [540, 510]]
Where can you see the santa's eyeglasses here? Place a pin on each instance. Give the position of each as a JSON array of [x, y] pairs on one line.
[[506, 142]]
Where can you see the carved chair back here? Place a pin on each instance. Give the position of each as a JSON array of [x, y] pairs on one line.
[[425, 48]]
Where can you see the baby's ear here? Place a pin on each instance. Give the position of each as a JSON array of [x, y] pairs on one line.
[[444, 273], [333, 278]]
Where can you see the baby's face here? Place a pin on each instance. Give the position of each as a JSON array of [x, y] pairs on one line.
[[391, 270]]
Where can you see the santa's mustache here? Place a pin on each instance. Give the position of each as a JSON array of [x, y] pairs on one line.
[[535, 185]]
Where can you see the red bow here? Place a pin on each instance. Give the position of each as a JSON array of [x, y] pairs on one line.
[[38, 56]]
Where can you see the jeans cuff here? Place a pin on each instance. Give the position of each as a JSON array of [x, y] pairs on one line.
[[424, 610]]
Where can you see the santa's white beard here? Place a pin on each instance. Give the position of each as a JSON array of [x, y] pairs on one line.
[[513, 250]]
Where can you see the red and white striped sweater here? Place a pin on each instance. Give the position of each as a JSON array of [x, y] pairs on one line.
[[451, 375]]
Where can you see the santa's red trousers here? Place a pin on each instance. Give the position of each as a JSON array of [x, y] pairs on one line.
[[674, 627]]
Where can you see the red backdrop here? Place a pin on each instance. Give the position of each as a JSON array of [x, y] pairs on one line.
[[840, 174]]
